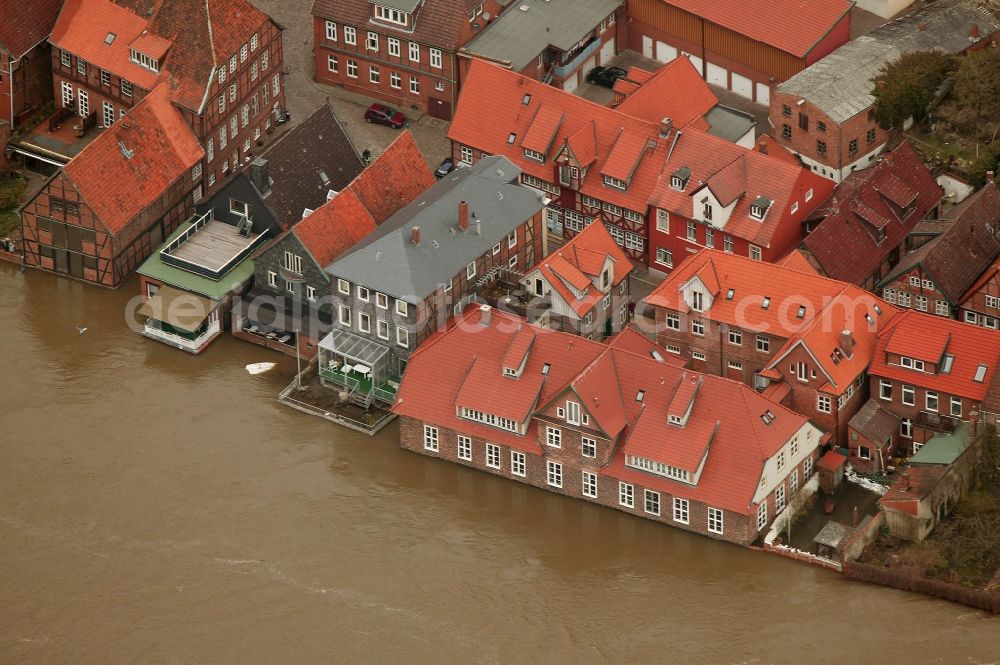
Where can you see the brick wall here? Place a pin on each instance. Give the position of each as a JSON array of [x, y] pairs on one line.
[[739, 529]]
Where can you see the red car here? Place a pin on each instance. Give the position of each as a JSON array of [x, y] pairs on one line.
[[383, 115]]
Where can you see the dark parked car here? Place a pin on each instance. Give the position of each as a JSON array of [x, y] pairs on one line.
[[605, 76], [444, 168], [383, 115]]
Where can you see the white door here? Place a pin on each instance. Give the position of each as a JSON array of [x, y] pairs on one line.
[[763, 94], [84, 102], [665, 52], [67, 94], [109, 114], [695, 60], [717, 75], [742, 86], [608, 51], [647, 46], [569, 85]]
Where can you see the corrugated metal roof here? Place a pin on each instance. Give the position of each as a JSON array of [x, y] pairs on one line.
[[840, 84]]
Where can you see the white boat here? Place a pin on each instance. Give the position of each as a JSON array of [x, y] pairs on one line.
[[259, 368]]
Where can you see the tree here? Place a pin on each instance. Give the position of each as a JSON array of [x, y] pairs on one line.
[[906, 87], [977, 86]]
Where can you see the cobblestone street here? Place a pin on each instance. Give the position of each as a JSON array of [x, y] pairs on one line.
[[304, 95]]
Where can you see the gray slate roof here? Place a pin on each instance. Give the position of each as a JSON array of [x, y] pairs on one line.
[[519, 36], [388, 262], [840, 84], [308, 161]]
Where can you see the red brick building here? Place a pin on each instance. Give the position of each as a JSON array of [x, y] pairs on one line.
[[980, 305], [604, 424], [861, 229], [221, 59], [826, 113], [582, 287], [742, 45], [25, 75], [403, 52], [932, 373], [803, 339], [936, 276], [650, 182], [103, 213]]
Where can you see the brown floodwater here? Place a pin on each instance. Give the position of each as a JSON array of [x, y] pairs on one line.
[[157, 507]]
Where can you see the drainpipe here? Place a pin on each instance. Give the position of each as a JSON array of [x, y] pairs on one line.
[[704, 54]]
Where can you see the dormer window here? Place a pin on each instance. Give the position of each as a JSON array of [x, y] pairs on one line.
[[144, 60], [390, 15], [611, 181], [706, 211], [759, 208], [679, 180], [533, 154], [697, 301], [674, 420], [911, 363]]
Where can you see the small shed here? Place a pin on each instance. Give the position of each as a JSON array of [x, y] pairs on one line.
[[831, 470], [830, 538]]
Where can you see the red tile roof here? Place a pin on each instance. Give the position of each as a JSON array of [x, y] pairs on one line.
[[797, 261], [196, 36], [162, 147], [443, 23], [987, 276], [863, 221], [767, 298], [609, 383], [929, 338], [635, 342], [831, 461], [676, 91], [25, 24], [492, 107], [580, 263], [393, 180], [911, 488], [334, 227], [794, 26]]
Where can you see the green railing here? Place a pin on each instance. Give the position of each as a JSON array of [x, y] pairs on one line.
[[387, 394], [340, 378]]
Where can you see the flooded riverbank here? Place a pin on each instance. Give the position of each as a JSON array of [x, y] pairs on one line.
[[158, 507]]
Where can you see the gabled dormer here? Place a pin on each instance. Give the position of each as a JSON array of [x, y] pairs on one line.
[[147, 50], [541, 133], [624, 159], [759, 208], [516, 356], [682, 403], [699, 292]]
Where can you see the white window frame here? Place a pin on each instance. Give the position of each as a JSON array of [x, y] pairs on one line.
[[402, 337], [431, 438], [716, 520], [553, 436], [588, 447], [518, 464], [492, 455], [626, 494], [554, 474], [588, 484], [682, 510]]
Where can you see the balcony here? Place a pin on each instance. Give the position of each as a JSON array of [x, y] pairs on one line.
[[936, 422], [567, 68], [361, 385], [191, 342]]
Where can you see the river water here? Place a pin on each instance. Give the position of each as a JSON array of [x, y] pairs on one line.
[[161, 508]]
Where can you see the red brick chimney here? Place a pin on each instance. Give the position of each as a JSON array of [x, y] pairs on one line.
[[463, 215], [974, 31], [762, 147], [847, 343], [415, 235]]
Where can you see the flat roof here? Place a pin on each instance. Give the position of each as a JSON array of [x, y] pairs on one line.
[[155, 268], [212, 246], [728, 123], [528, 27], [944, 448]]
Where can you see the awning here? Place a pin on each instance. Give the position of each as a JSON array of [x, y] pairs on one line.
[[180, 309], [354, 347]]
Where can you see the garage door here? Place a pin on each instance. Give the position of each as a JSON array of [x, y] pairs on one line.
[[665, 52], [695, 60], [608, 51], [763, 94], [647, 47], [717, 76], [742, 86], [569, 85]]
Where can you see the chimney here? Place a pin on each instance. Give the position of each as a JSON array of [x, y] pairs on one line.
[[854, 518], [906, 481], [259, 176], [974, 424], [485, 315], [989, 176], [974, 31], [415, 235], [666, 124], [921, 27], [463, 215], [762, 147], [847, 343], [479, 228]]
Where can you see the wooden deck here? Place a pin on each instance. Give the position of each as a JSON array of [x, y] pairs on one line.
[[213, 245]]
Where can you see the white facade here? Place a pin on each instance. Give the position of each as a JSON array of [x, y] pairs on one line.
[[838, 175], [806, 442]]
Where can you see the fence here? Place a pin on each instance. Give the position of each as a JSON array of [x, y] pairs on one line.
[[367, 426], [863, 572]]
